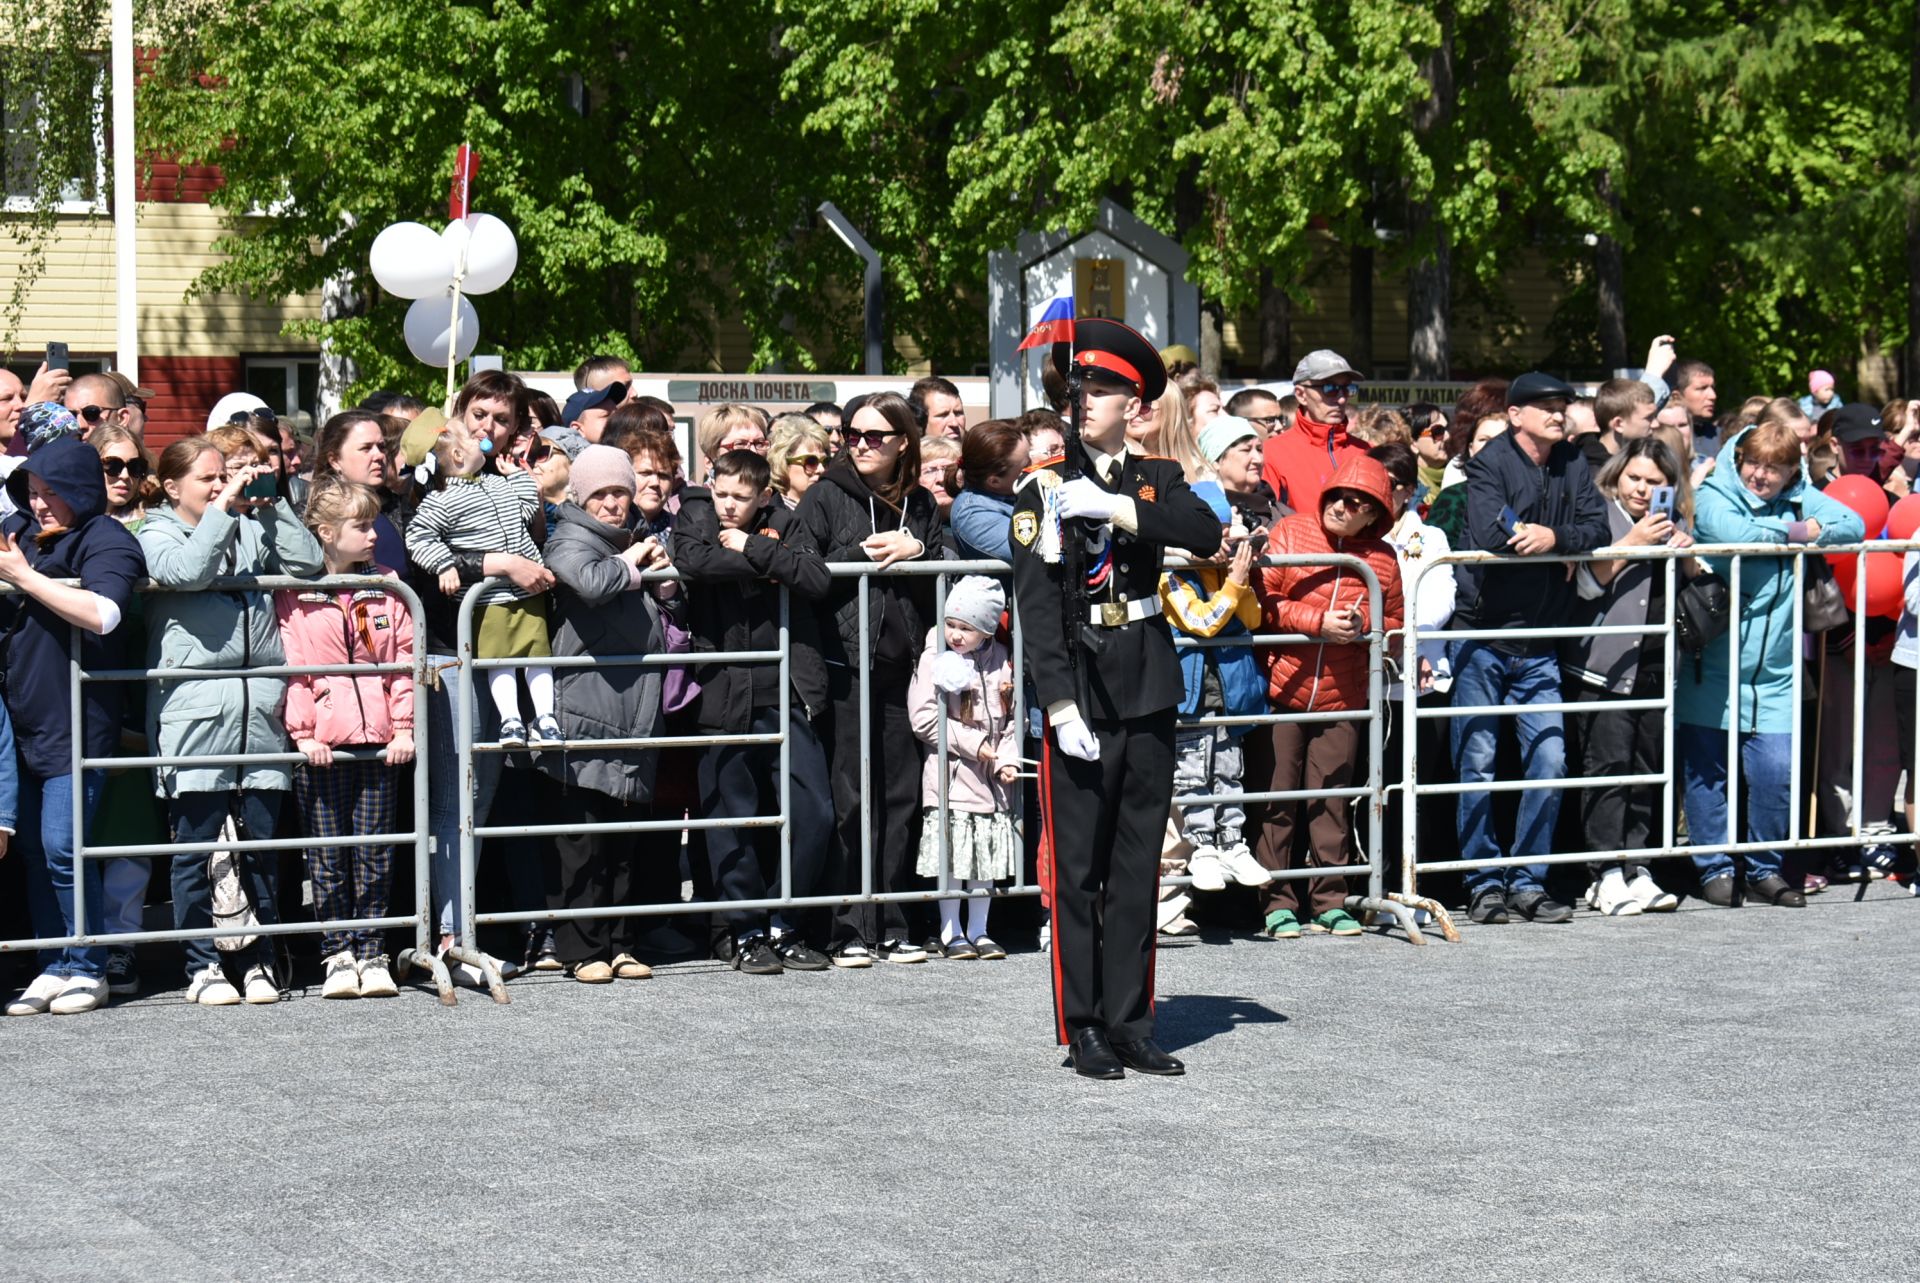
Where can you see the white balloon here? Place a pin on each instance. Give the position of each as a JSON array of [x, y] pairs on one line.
[[411, 261], [486, 248], [429, 337]]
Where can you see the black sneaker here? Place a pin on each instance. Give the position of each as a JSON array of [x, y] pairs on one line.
[[1775, 890], [1490, 908], [796, 954], [123, 976], [754, 956], [1719, 891], [1538, 906]]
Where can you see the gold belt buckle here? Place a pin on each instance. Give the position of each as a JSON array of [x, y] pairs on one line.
[[1113, 614]]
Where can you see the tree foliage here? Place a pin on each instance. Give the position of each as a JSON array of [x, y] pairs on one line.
[[660, 162]]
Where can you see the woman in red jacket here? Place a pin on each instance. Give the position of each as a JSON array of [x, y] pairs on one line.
[[1330, 674]]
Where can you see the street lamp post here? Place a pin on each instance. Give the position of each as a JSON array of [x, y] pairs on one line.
[[875, 291]]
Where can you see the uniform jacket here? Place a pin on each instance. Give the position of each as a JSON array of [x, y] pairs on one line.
[[1135, 673], [347, 626], [598, 608], [839, 510], [199, 629], [1531, 593], [1297, 463], [35, 656], [1200, 601], [979, 717], [1326, 675], [733, 604], [1725, 511]]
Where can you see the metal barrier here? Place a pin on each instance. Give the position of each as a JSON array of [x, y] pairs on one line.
[[1736, 554], [1375, 903], [420, 955]]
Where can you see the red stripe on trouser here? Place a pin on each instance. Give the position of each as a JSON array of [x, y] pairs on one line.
[[1053, 875]]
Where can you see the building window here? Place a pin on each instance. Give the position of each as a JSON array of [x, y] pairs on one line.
[[24, 127], [285, 383]]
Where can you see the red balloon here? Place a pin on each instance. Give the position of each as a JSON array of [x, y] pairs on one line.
[[1886, 587], [1904, 519], [1864, 496]]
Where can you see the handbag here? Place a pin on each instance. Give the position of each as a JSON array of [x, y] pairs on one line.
[[1825, 605], [678, 690], [1702, 613], [232, 906]]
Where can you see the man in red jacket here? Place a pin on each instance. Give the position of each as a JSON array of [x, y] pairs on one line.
[[1298, 463]]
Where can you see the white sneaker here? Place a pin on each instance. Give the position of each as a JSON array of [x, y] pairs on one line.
[[901, 951], [211, 988], [1652, 897], [376, 981], [33, 1001], [1614, 898], [1242, 867], [1206, 870], [342, 979], [82, 993], [261, 990]]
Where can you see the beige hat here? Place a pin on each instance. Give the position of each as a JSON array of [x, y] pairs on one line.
[[416, 443]]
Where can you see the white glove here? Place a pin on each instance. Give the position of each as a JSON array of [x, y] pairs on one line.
[[1083, 497], [1076, 739], [952, 671]]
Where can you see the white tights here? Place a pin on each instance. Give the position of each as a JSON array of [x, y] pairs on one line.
[[506, 693], [976, 914]]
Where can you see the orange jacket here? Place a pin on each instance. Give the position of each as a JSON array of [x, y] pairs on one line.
[[1295, 599], [1297, 463]]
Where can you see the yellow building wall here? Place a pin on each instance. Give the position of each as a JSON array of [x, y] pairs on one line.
[[72, 299]]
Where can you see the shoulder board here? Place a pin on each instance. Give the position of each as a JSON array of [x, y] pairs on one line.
[[1037, 464], [1159, 458], [1039, 480]]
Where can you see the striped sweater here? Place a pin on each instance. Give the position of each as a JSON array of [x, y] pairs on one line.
[[477, 514]]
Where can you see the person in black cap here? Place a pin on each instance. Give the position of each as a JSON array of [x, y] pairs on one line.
[[1529, 494], [1100, 656]]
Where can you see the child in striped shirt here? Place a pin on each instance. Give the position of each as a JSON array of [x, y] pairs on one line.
[[471, 511]]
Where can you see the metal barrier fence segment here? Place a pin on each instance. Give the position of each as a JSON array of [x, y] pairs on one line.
[[1414, 790], [421, 954]]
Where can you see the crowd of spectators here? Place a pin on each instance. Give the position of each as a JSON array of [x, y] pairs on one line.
[[896, 714]]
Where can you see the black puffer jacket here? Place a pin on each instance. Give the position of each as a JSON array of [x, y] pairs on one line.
[[733, 600], [837, 513]]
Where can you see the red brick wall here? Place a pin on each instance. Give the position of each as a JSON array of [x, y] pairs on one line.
[[174, 182], [185, 388]]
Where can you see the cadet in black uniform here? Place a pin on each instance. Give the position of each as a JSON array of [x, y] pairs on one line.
[[1106, 774]]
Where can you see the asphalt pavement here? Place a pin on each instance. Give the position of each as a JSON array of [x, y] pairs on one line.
[[1705, 1095]]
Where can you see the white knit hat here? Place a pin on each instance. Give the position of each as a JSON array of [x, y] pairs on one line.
[[977, 601]]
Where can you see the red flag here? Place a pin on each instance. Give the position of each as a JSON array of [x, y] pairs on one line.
[[466, 163]]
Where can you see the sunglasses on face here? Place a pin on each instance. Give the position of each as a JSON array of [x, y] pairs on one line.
[[1438, 428], [536, 453], [811, 462], [1348, 390], [1353, 502], [93, 413], [870, 440], [115, 468]]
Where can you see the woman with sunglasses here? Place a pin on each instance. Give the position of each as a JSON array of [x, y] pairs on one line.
[[870, 510], [799, 456]]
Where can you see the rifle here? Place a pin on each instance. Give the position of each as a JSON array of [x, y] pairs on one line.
[[1081, 642]]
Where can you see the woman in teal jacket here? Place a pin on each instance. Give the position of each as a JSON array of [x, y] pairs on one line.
[[1758, 494]]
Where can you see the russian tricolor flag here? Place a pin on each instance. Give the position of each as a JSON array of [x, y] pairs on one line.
[[1054, 326]]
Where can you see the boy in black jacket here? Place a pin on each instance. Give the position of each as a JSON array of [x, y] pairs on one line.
[[730, 545]]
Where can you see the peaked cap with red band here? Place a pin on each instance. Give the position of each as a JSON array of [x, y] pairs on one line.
[[1108, 347]]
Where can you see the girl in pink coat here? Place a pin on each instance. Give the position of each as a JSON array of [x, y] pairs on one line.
[[970, 685], [342, 626]]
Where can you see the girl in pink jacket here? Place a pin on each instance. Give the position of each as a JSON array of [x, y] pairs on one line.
[[970, 685], [339, 798]]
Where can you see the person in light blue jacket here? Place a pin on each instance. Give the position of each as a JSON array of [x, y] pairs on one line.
[[1758, 494]]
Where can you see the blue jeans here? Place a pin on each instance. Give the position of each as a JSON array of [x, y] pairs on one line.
[[44, 837], [443, 785], [1483, 676], [197, 817], [1766, 768]]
